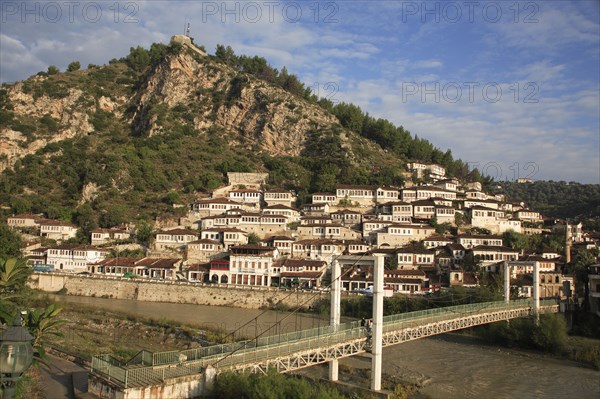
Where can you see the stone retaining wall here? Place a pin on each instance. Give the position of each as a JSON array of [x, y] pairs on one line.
[[172, 292]]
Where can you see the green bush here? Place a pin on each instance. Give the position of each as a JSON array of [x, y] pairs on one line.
[[270, 386]]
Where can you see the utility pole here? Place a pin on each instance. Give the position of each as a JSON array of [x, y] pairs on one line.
[[336, 286], [377, 338]]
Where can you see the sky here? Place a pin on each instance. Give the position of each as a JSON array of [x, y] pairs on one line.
[[512, 88]]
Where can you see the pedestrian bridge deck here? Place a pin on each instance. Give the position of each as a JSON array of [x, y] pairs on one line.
[[292, 351]]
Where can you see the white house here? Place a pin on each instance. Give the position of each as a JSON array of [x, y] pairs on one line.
[[324, 198], [74, 258], [174, 240], [227, 236], [472, 240], [57, 230], [246, 196], [25, 220], [398, 235], [279, 197], [435, 171], [214, 206], [253, 265], [106, 236]]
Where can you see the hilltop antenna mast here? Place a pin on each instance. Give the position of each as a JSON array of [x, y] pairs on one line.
[[187, 31]]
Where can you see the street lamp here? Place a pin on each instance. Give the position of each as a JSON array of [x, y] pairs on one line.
[[16, 355]]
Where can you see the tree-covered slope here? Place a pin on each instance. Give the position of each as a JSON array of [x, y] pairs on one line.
[[117, 141], [556, 199]]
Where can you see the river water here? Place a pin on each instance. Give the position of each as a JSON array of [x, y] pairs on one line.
[[245, 322], [446, 367]]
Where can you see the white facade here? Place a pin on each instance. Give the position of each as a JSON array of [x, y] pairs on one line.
[[74, 258]]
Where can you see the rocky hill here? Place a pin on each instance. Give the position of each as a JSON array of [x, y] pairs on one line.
[[127, 139]]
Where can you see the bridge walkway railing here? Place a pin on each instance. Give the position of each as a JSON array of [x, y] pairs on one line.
[[180, 363]]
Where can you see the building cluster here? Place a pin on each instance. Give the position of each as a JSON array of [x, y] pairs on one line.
[[246, 235]]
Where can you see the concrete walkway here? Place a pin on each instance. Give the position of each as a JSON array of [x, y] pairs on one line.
[[63, 379]]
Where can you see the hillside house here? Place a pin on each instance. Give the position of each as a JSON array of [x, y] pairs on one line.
[[426, 192], [319, 249], [315, 209], [158, 268], [445, 214], [447, 184], [263, 225], [331, 231], [279, 197], [527, 215], [249, 197], [464, 279], [282, 243], [214, 206], [415, 259], [116, 267], [57, 230], [437, 241], [253, 265], [291, 214], [203, 250], [324, 198], [489, 256], [347, 218], [363, 195], [107, 236], [174, 240], [303, 273], [74, 258], [423, 209], [407, 281], [434, 171], [398, 235], [472, 240], [25, 220], [227, 236]]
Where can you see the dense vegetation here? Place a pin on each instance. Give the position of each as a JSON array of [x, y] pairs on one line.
[[272, 385], [133, 176], [130, 176], [556, 199]]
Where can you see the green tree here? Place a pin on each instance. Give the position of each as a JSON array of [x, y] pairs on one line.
[[74, 66], [53, 70], [143, 232], [172, 198], [87, 220], [581, 268], [10, 243], [253, 239], [225, 54]]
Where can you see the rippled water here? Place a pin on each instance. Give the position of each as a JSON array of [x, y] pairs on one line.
[[455, 367], [247, 322]]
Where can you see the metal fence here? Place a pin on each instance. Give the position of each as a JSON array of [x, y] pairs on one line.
[[148, 368]]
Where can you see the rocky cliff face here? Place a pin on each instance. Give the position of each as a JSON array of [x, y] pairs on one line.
[[206, 94], [184, 88]]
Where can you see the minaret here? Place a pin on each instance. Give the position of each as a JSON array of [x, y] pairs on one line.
[[567, 243]]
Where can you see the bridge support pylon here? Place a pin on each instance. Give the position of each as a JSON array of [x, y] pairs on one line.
[[506, 282], [336, 291], [536, 292], [377, 337]]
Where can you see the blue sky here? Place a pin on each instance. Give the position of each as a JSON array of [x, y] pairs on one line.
[[512, 87]]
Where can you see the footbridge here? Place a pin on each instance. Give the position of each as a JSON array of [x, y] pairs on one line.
[[296, 350]]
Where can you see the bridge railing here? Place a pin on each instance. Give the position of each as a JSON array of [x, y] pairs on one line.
[[179, 363]]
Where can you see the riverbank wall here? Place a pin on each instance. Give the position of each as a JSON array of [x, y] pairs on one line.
[[172, 292]]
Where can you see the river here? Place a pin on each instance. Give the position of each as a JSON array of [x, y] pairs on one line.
[[446, 367], [245, 322]]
